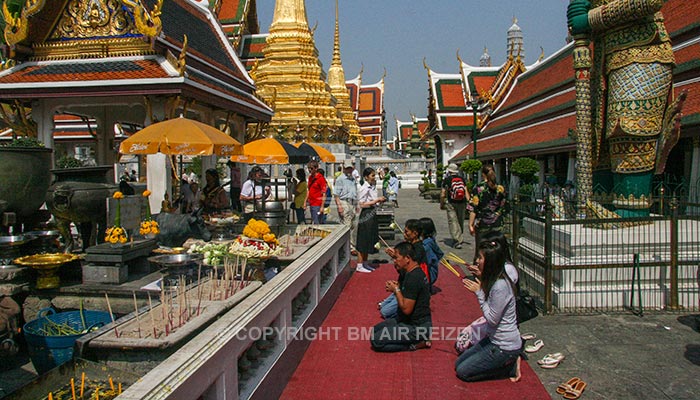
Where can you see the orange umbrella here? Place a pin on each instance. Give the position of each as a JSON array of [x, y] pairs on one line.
[[270, 151], [181, 136], [320, 152]]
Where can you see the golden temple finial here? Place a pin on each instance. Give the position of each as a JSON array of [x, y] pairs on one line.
[[515, 19], [336, 38], [459, 58], [541, 57], [313, 30], [384, 75], [425, 64], [362, 70], [182, 58], [147, 22]]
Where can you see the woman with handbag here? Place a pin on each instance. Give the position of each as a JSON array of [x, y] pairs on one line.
[[497, 354]]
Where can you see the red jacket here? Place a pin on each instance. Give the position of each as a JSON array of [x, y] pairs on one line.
[[317, 188]]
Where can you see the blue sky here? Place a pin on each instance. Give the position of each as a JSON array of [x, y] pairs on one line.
[[398, 34]]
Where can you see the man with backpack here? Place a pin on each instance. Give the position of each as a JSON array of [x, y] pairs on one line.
[[453, 198]]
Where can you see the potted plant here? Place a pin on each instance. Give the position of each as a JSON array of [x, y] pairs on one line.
[[526, 169]]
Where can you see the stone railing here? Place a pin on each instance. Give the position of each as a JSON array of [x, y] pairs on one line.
[[252, 350]]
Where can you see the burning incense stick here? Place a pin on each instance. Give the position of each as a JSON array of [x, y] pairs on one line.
[[384, 241], [72, 388], [109, 307], [447, 265], [453, 257], [111, 383]]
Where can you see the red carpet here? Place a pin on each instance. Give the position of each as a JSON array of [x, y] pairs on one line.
[[342, 366]]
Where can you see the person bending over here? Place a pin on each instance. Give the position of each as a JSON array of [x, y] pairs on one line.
[[496, 355], [411, 328]]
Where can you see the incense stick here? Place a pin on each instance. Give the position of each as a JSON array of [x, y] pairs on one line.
[[111, 315], [136, 312], [153, 320]]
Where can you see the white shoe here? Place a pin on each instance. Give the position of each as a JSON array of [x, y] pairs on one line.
[[361, 268]]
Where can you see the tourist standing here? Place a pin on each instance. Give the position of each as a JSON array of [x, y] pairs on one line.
[[453, 199], [316, 192], [345, 195], [487, 205], [393, 189], [367, 226], [300, 193]]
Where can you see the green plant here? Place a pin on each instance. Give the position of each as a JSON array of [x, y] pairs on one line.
[[471, 167], [24, 141], [439, 173], [68, 162], [526, 169]]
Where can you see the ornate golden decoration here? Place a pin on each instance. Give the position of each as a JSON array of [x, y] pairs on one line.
[[19, 119], [17, 26], [86, 19], [98, 48], [147, 23], [180, 64]]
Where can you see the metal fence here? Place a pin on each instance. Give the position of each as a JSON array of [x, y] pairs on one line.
[[603, 265]]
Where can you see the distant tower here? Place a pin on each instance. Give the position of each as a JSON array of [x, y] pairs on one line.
[[515, 41], [336, 80], [485, 60]]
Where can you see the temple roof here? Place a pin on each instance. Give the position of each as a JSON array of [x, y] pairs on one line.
[[404, 129], [535, 110], [211, 72]]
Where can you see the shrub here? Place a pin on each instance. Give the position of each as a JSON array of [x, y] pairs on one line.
[[470, 167], [526, 169], [24, 141], [68, 162]]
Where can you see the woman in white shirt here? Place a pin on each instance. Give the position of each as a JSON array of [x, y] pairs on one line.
[[367, 227]]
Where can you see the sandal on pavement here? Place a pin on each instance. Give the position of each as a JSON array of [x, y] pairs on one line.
[[534, 347], [561, 389], [551, 360], [576, 390], [528, 336]]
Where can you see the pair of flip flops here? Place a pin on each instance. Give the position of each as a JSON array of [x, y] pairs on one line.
[[535, 347], [551, 360], [572, 389]]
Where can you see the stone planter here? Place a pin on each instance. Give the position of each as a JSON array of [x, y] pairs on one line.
[[24, 178]]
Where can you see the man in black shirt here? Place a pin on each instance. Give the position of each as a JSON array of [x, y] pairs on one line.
[[410, 330]]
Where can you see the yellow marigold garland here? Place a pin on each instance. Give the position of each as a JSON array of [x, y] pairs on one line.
[[148, 225], [116, 234]]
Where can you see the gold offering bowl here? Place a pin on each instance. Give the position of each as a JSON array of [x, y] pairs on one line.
[[47, 266]]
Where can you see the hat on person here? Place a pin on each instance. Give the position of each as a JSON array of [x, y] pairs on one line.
[[453, 168], [348, 167]]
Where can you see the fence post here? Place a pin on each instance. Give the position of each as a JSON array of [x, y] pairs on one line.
[[548, 273], [515, 228], [674, 254]]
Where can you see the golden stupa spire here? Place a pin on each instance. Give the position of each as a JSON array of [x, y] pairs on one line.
[[336, 80], [291, 70]]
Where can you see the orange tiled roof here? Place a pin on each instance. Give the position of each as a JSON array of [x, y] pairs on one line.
[[87, 71], [525, 141]]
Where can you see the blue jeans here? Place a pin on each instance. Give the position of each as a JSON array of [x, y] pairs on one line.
[[301, 215], [486, 361], [390, 307], [315, 217]]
